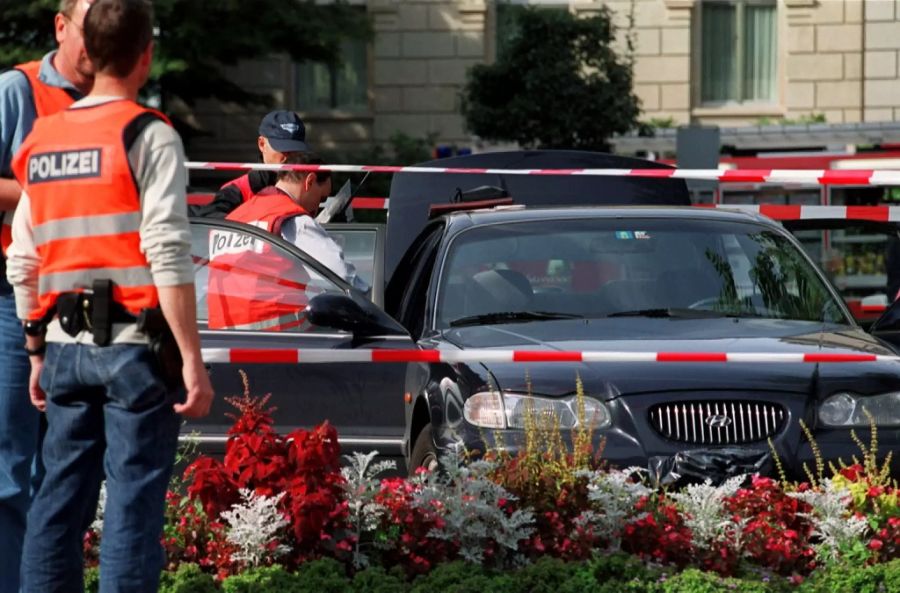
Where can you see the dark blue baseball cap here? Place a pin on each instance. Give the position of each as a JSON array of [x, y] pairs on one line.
[[285, 131]]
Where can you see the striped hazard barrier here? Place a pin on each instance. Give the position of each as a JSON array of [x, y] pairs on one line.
[[818, 176], [324, 355]]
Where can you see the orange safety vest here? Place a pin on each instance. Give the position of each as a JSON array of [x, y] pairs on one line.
[[250, 287], [85, 203], [47, 101]]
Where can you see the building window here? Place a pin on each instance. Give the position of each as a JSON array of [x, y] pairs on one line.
[[343, 86], [739, 45]]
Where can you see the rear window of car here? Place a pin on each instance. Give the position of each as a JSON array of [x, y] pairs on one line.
[[597, 267]]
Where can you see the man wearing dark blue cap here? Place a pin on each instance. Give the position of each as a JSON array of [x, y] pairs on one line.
[[280, 133]]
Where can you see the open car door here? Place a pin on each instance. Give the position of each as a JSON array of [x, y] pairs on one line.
[[363, 401]]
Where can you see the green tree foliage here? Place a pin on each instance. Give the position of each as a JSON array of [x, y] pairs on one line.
[[557, 83], [198, 39]]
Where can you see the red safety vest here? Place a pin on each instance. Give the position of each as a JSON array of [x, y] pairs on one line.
[[250, 286], [47, 101], [243, 185], [85, 204]]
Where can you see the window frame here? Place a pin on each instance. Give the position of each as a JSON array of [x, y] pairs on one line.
[[335, 111], [747, 108]]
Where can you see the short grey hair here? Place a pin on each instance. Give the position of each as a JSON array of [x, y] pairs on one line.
[[67, 7]]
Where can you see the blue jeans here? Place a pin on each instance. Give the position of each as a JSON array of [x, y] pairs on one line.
[[19, 442], [107, 412]]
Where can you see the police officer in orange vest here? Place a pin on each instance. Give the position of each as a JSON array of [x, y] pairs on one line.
[[250, 288], [28, 91], [280, 133], [100, 264]]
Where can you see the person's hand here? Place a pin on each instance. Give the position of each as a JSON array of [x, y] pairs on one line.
[[35, 392], [199, 390]]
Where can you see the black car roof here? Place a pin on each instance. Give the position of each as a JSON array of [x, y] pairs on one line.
[[515, 214], [412, 194]]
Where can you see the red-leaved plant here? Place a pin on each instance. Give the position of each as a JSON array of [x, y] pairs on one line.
[[305, 465], [775, 534]]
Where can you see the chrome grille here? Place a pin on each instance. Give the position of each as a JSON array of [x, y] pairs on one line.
[[717, 422]]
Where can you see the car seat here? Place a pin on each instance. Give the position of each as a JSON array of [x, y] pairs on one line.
[[495, 291], [629, 295]]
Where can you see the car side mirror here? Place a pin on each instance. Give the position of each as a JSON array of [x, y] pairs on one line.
[[356, 315]]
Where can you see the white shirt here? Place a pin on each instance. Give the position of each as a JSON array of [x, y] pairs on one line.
[[309, 236]]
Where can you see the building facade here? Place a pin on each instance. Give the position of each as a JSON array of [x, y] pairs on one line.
[[723, 62]]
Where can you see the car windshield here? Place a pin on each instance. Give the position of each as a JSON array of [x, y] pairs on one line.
[[628, 267]]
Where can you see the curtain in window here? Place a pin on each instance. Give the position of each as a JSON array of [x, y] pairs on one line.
[[313, 87], [738, 51], [344, 86], [718, 52], [351, 78], [759, 53]]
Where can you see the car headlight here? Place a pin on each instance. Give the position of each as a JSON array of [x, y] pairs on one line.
[[513, 410], [847, 409]]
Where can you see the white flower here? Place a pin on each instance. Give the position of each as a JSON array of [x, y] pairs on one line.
[[97, 525], [829, 518], [705, 515], [614, 495], [469, 504], [360, 488], [253, 525]]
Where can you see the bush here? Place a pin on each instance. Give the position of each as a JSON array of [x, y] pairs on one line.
[[189, 578], [878, 578], [376, 580], [461, 577], [696, 581], [268, 579], [91, 580]]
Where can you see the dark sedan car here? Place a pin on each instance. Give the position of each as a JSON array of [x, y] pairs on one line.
[[645, 280], [613, 279]]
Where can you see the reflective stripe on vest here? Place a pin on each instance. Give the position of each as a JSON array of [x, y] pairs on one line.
[[252, 287], [86, 226], [85, 205], [47, 101]]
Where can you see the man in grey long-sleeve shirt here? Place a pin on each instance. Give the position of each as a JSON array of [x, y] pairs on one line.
[[101, 235]]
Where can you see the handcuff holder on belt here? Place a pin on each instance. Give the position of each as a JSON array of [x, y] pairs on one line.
[[94, 311], [97, 312]]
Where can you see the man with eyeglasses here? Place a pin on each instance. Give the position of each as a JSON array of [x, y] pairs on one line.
[[28, 91]]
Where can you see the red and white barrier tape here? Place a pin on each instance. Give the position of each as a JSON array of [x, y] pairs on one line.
[[773, 211], [816, 176], [324, 355], [796, 212]]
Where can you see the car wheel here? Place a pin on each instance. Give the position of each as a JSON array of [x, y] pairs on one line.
[[424, 453]]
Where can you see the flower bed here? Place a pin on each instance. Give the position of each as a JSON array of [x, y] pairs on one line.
[[279, 513]]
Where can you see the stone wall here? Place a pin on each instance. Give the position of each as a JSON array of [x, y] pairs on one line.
[[836, 57]]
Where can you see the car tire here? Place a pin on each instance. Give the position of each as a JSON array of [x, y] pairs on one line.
[[424, 453]]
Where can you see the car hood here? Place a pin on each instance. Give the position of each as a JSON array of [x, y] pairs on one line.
[[608, 380]]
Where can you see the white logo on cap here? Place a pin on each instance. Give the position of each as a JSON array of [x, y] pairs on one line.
[[290, 127]]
